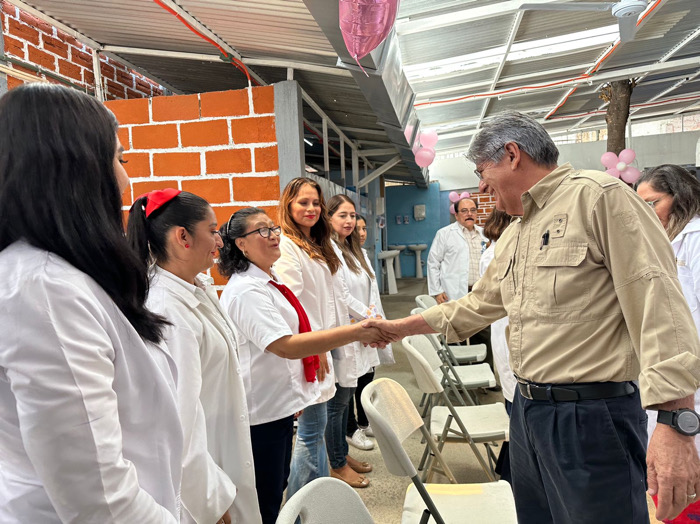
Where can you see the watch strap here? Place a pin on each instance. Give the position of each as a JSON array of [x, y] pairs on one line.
[[665, 417]]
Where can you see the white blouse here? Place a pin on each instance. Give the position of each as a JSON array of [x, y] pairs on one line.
[[275, 387], [354, 360], [203, 342], [89, 428], [386, 355], [318, 291]]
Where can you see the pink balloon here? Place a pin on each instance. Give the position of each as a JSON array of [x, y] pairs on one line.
[[464, 195], [613, 172], [627, 156], [425, 157], [609, 159], [454, 196], [429, 138], [630, 175], [452, 209], [415, 147], [365, 24]]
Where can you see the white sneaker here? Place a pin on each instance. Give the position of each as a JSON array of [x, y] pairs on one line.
[[368, 431], [360, 441]]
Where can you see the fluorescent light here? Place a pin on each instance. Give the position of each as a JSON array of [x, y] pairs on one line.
[[308, 141]]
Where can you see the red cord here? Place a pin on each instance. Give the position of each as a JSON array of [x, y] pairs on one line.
[[647, 104], [234, 61]]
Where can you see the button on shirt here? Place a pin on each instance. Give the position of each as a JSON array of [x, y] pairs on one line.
[[598, 301], [275, 386]]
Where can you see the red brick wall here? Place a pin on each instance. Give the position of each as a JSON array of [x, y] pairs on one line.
[[43, 45], [485, 204], [221, 146]]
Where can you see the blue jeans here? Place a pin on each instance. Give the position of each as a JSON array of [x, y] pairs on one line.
[[338, 409], [309, 459]]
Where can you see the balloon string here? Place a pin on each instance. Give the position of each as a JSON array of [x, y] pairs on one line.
[[360, 66]]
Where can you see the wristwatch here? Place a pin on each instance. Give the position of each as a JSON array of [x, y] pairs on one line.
[[685, 421]]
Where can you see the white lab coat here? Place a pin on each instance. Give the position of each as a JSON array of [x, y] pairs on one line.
[[319, 292], [89, 428], [686, 246], [448, 262], [386, 355], [499, 343], [275, 387], [202, 340], [353, 360]]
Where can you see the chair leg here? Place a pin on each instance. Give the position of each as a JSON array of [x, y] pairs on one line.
[[427, 500]]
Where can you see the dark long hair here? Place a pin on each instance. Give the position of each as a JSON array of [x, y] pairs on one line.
[[683, 187], [59, 193], [231, 258], [319, 246], [148, 236], [351, 246], [496, 223]]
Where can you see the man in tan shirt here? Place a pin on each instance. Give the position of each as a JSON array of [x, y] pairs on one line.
[[587, 277]]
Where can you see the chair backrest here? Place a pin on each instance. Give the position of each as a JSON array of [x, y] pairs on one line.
[[427, 382], [424, 346], [325, 500], [393, 418], [417, 310], [425, 301]]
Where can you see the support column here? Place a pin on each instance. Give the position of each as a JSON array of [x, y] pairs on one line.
[[290, 131], [3, 76]]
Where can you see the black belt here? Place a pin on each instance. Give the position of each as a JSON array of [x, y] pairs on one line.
[[571, 392]]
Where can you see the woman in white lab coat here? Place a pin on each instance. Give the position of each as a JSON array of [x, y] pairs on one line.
[[177, 232], [88, 412], [278, 352], [358, 428], [309, 267], [674, 195], [351, 361]]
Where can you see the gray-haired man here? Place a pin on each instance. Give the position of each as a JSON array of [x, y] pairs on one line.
[[588, 280]]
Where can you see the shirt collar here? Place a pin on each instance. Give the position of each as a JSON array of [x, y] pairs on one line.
[[690, 227], [255, 272], [543, 189], [186, 291]]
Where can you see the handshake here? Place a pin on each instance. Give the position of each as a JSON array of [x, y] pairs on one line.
[[378, 332]]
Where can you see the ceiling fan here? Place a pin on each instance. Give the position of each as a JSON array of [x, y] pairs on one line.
[[626, 12]]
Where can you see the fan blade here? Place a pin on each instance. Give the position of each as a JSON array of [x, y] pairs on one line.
[[571, 6], [628, 28]]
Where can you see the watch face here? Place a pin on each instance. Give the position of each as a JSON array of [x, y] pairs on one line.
[[688, 422]]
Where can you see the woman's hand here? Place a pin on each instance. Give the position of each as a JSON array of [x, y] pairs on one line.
[[324, 367], [225, 519]]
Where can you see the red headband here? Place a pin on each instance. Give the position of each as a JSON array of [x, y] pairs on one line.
[[157, 199]]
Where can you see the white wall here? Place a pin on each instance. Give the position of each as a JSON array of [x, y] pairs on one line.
[[453, 173], [652, 150]]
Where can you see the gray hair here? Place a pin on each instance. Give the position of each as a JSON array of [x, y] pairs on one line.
[[511, 126], [683, 187]]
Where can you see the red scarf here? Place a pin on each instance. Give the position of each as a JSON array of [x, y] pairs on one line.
[[311, 364]]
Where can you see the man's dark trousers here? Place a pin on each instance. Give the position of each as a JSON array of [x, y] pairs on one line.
[[579, 462]]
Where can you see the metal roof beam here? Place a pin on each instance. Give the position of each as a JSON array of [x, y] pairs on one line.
[[379, 171], [379, 152], [496, 77], [419, 24]]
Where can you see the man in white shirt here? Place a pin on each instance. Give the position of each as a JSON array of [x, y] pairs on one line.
[[453, 261]]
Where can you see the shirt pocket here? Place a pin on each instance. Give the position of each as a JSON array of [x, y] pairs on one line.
[[505, 280], [559, 283]]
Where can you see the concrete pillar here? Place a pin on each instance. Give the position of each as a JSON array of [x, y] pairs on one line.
[[3, 76], [289, 126]]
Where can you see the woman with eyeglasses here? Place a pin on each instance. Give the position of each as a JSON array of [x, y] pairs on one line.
[[278, 350], [674, 195], [88, 410], [175, 233]]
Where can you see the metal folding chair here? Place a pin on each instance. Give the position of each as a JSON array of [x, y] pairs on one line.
[[425, 301], [394, 418]]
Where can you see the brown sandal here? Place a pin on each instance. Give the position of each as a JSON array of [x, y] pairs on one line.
[[362, 481], [357, 465]]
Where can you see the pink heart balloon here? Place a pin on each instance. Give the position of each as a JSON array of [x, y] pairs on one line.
[[425, 157], [630, 175], [613, 172], [365, 24], [454, 196], [609, 159], [429, 138], [627, 156], [464, 195]]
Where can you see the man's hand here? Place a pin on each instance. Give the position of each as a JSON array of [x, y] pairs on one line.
[[373, 337], [442, 297], [673, 471], [390, 329]]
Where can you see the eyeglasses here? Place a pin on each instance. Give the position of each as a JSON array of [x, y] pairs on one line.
[[468, 211], [652, 203], [264, 232], [488, 158]]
